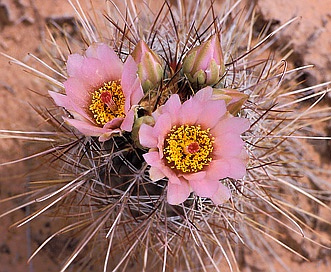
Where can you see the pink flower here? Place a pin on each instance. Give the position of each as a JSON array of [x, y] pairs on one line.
[[194, 145], [100, 92]]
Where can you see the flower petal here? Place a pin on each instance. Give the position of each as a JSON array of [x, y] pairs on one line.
[[129, 75], [65, 101], [136, 92], [107, 135], [172, 107], [152, 158], [77, 92], [79, 97], [204, 54], [155, 174], [162, 126], [74, 64], [218, 169], [178, 193], [190, 112], [128, 121], [131, 85], [195, 176], [61, 100], [210, 115], [146, 136], [235, 125], [86, 128], [193, 109], [228, 145], [237, 168], [222, 195], [93, 73], [228, 167], [204, 94], [114, 123], [204, 188], [156, 171], [112, 63]]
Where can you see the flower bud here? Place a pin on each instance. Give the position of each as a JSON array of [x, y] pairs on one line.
[[204, 65], [150, 70], [234, 99]]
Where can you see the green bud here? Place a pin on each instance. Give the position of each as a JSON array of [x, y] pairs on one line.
[[204, 64], [234, 99], [150, 70]]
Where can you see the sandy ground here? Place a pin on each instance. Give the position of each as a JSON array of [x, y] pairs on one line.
[[21, 29]]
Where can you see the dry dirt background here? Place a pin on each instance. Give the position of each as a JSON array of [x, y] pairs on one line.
[[21, 30]]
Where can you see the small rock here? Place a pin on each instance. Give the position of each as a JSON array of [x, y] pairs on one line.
[[4, 249]]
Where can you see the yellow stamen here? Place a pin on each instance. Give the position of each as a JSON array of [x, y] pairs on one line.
[[107, 102], [188, 148]]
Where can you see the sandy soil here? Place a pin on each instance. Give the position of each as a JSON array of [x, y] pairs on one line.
[[309, 36], [21, 29]]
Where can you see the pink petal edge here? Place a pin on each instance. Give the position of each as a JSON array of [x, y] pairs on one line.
[[178, 193], [61, 100], [222, 195], [146, 136], [128, 121], [86, 128], [155, 174], [204, 188]]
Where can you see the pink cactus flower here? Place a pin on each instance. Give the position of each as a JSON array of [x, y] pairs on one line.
[[195, 145], [101, 92]]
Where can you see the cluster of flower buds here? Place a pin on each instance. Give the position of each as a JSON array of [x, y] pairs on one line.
[[203, 66]]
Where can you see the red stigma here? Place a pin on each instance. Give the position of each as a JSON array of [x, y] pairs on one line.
[[193, 148], [106, 97]]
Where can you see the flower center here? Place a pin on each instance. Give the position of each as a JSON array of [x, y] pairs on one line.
[[188, 148], [107, 102], [192, 148]]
